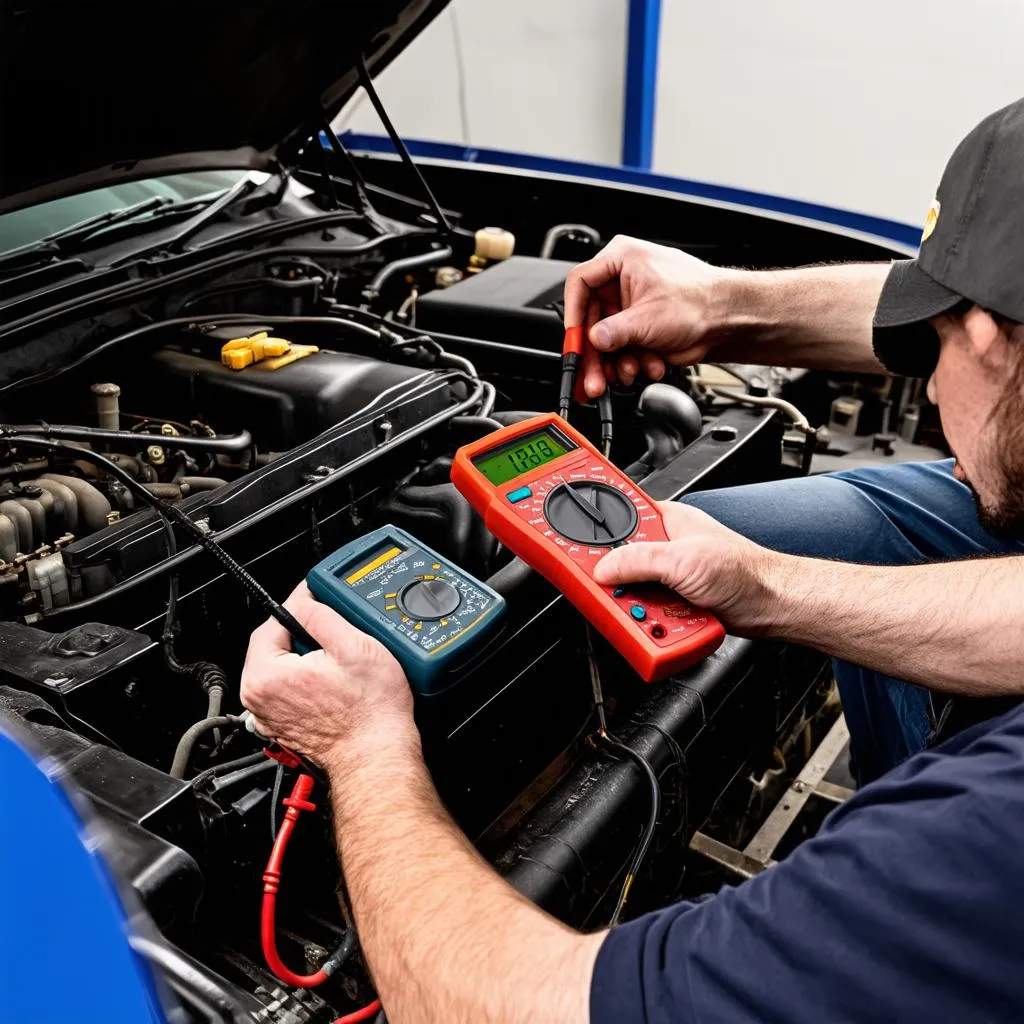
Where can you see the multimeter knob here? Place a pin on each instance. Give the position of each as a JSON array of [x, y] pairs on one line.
[[590, 513], [429, 599]]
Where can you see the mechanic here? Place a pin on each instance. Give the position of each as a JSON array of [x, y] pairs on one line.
[[907, 903], [963, 292]]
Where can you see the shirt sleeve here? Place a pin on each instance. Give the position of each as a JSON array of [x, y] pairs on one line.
[[896, 910]]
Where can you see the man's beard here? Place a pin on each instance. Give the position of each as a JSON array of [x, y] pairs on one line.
[[1005, 518]]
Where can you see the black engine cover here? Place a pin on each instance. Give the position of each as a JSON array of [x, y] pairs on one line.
[[282, 407]]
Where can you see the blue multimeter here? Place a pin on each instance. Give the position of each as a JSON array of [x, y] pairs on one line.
[[428, 613]]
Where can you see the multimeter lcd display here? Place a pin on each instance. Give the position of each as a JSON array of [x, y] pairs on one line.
[[520, 456]]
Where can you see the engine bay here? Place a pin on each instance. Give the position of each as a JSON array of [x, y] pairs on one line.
[[286, 409]]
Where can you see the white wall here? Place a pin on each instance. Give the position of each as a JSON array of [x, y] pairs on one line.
[[854, 104], [541, 76]]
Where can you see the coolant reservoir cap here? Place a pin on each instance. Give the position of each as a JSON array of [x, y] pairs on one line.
[[495, 243]]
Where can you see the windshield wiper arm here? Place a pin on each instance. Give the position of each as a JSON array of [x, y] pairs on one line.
[[90, 225], [52, 247], [24, 257]]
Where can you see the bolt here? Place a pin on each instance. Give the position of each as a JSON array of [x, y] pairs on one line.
[[113, 517], [168, 430], [155, 454]]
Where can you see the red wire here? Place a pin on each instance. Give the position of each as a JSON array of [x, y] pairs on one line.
[[359, 1015], [296, 803]]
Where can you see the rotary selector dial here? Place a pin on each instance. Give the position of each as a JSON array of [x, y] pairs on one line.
[[590, 513], [429, 599]]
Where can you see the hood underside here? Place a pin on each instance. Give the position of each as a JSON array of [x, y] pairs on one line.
[[100, 92]]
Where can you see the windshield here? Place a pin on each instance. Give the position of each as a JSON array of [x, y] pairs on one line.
[[22, 227]]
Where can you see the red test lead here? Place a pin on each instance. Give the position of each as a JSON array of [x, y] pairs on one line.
[[572, 349]]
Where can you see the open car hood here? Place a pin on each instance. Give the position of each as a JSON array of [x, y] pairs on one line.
[[100, 91]]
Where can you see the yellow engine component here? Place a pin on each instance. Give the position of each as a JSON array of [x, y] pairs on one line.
[[272, 353]]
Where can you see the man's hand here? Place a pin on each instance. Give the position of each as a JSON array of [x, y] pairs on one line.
[[329, 701], [445, 938], [703, 561], [656, 302]]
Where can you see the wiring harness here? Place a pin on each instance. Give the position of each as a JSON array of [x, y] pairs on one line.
[[604, 739]]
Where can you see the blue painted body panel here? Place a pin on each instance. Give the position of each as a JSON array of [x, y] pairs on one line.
[[64, 950]]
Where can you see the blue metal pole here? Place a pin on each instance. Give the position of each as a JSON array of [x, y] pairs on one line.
[[641, 83]]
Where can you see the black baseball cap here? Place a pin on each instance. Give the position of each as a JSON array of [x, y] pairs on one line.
[[972, 247]]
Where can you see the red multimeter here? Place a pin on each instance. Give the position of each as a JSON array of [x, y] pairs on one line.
[[548, 495]]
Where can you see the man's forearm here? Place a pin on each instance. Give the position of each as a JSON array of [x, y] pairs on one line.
[[817, 317], [952, 626], [445, 937]]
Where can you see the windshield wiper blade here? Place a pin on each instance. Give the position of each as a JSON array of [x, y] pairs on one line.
[[59, 245], [51, 247], [90, 225]]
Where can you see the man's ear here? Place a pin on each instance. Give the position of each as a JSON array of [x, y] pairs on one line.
[[984, 334]]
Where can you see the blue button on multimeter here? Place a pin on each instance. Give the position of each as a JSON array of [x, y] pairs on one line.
[[428, 613]]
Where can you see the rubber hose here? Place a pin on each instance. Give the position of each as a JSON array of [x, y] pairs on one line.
[[128, 462], [484, 424], [27, 468], [202, 483], [766, 401], [425, 259], [510, 577], [511, 416], [214, 699], [169, 492], [183, 753], [229, 443]]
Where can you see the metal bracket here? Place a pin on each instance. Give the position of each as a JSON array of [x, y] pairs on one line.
[[759, 853]]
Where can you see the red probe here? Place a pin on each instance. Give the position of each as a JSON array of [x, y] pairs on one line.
[[296, 803], [576, 348]]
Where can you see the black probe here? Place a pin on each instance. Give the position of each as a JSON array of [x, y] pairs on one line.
[[572, 349]]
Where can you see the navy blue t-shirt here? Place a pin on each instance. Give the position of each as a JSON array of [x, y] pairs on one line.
[[908, 905]]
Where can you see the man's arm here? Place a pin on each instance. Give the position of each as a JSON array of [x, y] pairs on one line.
[[950, 626], [446, 939], [668, 306], [818, 317]]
